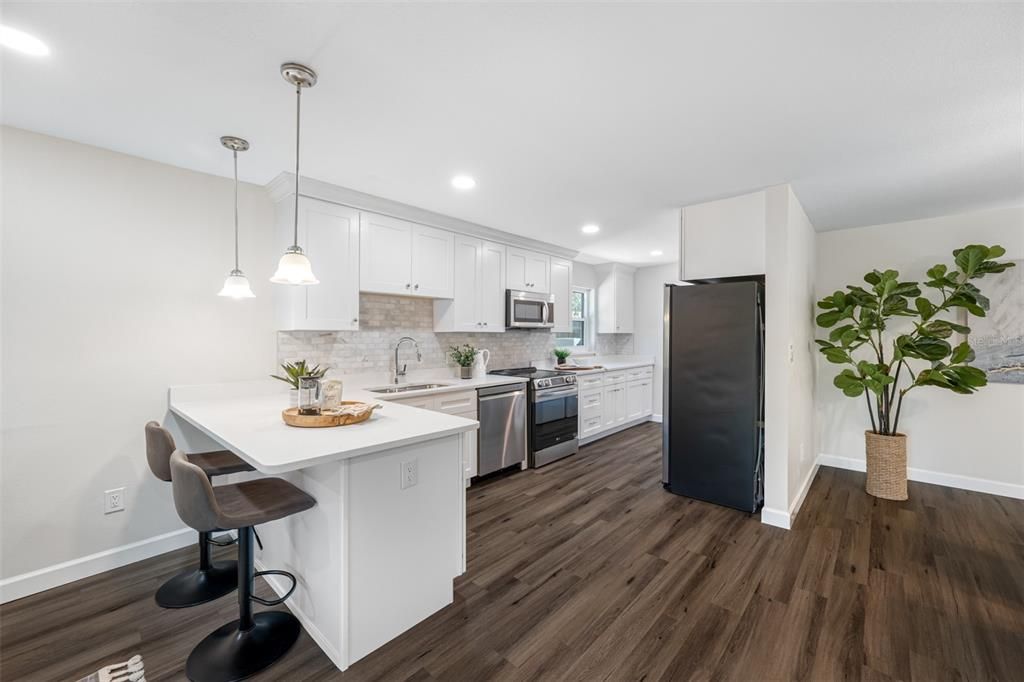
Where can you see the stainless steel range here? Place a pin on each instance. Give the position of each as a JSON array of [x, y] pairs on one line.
[[553, 414]]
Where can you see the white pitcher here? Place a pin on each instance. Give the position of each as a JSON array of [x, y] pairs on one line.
[[483, 356]]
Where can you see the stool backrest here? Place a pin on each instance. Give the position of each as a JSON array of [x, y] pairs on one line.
[[193, 494], [159, 446]]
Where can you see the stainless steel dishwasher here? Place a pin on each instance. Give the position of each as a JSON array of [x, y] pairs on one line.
[[502, 417]]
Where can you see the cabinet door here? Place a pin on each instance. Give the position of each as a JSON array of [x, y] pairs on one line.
[[385, 256], [492, 287], [614, 405], [464, 308], [538, 272], [635, 399], [431, 262], [561, 287], [623, 303], [329, 234], [647, 397], [516, 269]]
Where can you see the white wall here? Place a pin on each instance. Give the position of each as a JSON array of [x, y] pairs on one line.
[[110, 268], [974, 441], [789, 378], [649, 320], [584, 275]]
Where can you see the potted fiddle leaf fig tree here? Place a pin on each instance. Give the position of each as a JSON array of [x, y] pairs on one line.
[[883, 364]]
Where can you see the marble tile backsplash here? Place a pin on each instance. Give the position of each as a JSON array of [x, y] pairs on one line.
[[384, 319]]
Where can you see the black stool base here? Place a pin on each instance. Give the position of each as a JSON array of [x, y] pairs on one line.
[[197, 586], [229, 654]]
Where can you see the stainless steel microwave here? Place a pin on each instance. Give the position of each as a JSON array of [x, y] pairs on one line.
[[529, 310]]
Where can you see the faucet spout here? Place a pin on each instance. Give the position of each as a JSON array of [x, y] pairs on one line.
[[400, 370]]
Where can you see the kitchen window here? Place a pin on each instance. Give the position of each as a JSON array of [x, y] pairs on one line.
[[581, 313]]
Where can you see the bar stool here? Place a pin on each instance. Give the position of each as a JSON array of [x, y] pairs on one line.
[[252, 643], [211, 580]]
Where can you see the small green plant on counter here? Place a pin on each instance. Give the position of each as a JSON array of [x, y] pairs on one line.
[[292, 372], [562, 354], [463, 356]]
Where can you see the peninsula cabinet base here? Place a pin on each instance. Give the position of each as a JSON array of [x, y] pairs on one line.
[[380, 551]]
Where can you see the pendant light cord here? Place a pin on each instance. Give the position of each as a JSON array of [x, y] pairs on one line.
[[298, 125], [234, 153]]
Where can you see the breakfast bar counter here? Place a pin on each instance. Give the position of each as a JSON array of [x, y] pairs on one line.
[[381, 549]]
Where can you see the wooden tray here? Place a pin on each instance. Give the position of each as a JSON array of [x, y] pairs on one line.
[[292, 417]]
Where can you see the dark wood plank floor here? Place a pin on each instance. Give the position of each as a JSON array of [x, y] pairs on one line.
[[588, 570]]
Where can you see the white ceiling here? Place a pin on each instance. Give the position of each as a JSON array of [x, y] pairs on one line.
[[565, 114]]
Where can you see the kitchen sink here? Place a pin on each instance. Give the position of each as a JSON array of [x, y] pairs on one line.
[[405, 388]]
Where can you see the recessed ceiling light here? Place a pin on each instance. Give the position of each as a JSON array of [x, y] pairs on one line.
[[656, 252], [22, 42], [590, 229], [463, 182]]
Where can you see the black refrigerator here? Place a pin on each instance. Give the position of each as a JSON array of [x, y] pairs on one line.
[[713, 409]]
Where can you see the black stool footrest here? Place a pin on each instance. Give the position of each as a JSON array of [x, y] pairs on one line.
[[275, 602], [223, 541]]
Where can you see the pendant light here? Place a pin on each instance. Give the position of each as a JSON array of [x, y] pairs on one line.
[[294, 267], [236, 285]]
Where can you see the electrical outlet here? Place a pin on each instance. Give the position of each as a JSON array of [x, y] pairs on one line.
[[113, 500], [410, 474]]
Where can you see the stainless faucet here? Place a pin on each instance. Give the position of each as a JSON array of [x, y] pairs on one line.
[[400, 371]]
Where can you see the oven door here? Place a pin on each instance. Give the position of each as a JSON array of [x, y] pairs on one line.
[[554, 417], [523, 309]]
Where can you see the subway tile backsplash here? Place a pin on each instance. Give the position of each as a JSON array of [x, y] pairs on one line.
[[384, 319]]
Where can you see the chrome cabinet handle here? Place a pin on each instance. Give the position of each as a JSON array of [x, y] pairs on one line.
[[407, 286], [355, 319], [416, 287]]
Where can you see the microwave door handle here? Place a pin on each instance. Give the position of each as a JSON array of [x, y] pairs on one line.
[[544, 314]]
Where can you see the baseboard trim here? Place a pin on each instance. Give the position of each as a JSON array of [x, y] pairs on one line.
[[775, 517], [277, 585], [48, 577], [656, 418], [978, 485]]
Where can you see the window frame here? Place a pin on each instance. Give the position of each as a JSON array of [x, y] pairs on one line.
[[589, 323]]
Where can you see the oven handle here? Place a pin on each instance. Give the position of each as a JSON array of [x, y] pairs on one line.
[[554, 395]]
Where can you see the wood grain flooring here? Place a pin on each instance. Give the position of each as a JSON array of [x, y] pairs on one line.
[[588, 570]]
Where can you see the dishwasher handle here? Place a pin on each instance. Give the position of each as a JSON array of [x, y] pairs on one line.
[[498, 396]]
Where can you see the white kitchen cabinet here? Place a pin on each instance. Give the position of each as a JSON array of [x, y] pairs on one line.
[[399, 257], [615, 299], [614, 405], [639, 399], [528, 271], [329, 235], [561, 287], [724, 238], [478, 300]]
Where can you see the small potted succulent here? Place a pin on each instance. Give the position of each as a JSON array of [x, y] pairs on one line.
[[293, 372], [463, 356], [561, 354]]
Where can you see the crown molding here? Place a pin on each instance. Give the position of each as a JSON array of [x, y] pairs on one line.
[[283, 186]]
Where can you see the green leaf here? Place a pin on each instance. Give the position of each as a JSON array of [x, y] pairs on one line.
[[937, 271], [924, 348], [873, 277], [962, 353], [839, 331], [830, 318], [924, 307], [836, 355], [854, 391], [970, 257]]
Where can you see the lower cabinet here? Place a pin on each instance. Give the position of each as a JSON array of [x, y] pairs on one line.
[[460, 404], [616, 398]]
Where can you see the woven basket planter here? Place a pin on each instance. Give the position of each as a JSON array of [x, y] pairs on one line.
[[887, 465]]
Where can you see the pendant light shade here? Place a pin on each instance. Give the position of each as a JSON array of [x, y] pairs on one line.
[[294, 267], [237, 284]]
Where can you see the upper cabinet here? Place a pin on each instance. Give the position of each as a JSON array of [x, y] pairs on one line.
[[529, 271], [329, 235], [723, 238], [399, 257], [478, 303], [614, 299], [561, 287]]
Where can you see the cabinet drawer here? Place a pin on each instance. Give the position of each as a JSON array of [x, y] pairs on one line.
[[614, 377], [590, 425], [639, 373], [590, 399], [425, 402], [464, 401], [589, 381]]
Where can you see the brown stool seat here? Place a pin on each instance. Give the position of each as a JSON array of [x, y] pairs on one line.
[[219, 463], [252, 503]]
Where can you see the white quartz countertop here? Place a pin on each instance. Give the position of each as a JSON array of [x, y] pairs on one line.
[[608, 364], [450, 385], [245, 417]]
